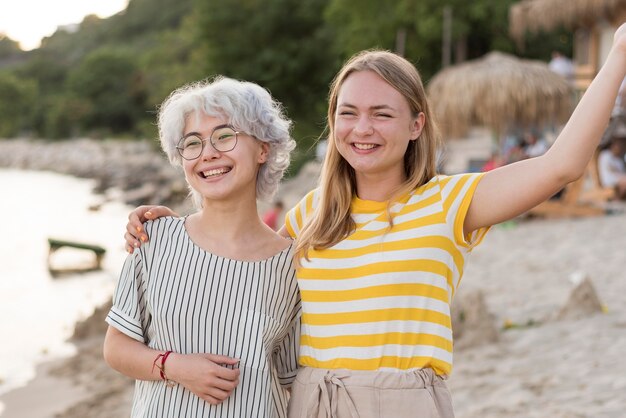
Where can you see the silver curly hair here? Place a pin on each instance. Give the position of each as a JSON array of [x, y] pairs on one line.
[[246, 106]]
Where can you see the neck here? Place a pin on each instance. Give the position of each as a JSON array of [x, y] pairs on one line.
[[377, 188], [228, 220], [233, 230]]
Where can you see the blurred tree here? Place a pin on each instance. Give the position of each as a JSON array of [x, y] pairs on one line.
[[291, 47], [170, 65], [108, 79], [143, 16], [64, 115], [283, 45], [415, 28], [8, 46], [17, 98]]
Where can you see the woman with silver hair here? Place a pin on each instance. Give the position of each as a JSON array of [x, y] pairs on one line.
[[206, 316]]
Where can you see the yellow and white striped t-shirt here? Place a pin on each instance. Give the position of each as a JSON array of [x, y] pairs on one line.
[[380, 299]]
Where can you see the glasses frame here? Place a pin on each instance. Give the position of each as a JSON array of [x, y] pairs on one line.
[[210, 139]]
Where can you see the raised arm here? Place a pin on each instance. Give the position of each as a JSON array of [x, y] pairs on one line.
[[203, 374], [514, 189]]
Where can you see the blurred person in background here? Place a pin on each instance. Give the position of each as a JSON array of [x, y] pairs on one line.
[[562, 65], [271, 216], [612, 167]]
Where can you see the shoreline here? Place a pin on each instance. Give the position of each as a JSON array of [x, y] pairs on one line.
[[132, 172], [79, 386]]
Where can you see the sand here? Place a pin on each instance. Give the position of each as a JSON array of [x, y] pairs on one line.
[[537, 366]]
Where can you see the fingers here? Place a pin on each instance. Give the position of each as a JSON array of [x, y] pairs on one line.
[[131, 242], [227, 375], [210, 399], [159, 211], [216, 396], [135, 233], [219, 359]]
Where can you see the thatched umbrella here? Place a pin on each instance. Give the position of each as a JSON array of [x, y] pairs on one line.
[[501, 92], [546, 15]]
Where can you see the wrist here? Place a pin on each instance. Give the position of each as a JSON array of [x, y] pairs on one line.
[[160, 364], [172, 367]]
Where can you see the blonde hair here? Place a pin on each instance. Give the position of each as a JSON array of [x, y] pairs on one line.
[[331, 222]]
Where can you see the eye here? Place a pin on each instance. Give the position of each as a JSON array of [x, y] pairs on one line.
[[383, 115], [192, 141], [225, 137]]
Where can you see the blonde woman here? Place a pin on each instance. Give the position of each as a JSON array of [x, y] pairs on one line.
[[381, 245]]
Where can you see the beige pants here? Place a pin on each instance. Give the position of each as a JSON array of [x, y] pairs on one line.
[[323, 393]]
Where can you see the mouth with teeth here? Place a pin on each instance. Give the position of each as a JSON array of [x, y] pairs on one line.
[[214, 173], [364, 147]]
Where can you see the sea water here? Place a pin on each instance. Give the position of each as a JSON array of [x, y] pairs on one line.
[[38, 312]]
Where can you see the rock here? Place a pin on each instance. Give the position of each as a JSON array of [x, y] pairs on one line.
[[583, 302], [472, 323]]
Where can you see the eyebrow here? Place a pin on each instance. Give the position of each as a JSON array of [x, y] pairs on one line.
[[377, 107], [223, 125]]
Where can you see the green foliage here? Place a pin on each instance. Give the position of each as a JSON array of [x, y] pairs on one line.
[[108, 79], [477, 28], [8, 47], [541, 45], [169, 65], [63, 116], [18, 97], [110, 75], [281, 44]]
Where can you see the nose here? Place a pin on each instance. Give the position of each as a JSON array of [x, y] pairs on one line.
[[363, 126], [208, 151]]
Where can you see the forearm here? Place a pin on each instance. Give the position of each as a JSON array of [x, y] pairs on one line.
[[130, 357], [581, 134]]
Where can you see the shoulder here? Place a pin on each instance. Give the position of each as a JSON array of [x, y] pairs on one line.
[[444, 181], [164, 226], [456, 191], [310, 199], [297, 215]]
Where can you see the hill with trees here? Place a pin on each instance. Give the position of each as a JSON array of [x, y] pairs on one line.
[[107, 77]]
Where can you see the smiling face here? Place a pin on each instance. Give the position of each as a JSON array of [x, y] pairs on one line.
[[373, 128], [219, 175]]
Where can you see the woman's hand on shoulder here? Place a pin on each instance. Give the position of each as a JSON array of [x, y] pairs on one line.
[[135, 233], [210, 376]]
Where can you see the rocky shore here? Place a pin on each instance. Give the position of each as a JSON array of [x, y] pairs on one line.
[[135, 172]]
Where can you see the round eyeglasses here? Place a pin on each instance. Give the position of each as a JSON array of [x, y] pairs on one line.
[[223, 138]]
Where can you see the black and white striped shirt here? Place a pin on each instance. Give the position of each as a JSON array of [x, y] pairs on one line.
[[173, 295]]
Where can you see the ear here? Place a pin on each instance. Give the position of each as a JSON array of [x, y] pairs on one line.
[[264, 152], [417, 125]]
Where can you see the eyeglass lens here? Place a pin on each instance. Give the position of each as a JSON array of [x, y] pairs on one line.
[[222, 138]]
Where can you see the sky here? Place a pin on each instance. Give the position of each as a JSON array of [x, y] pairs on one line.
[[27, 21]]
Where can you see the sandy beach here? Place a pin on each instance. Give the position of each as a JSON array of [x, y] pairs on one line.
[[526, 271]]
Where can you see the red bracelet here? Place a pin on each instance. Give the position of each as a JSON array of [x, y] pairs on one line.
[[161, 367]]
